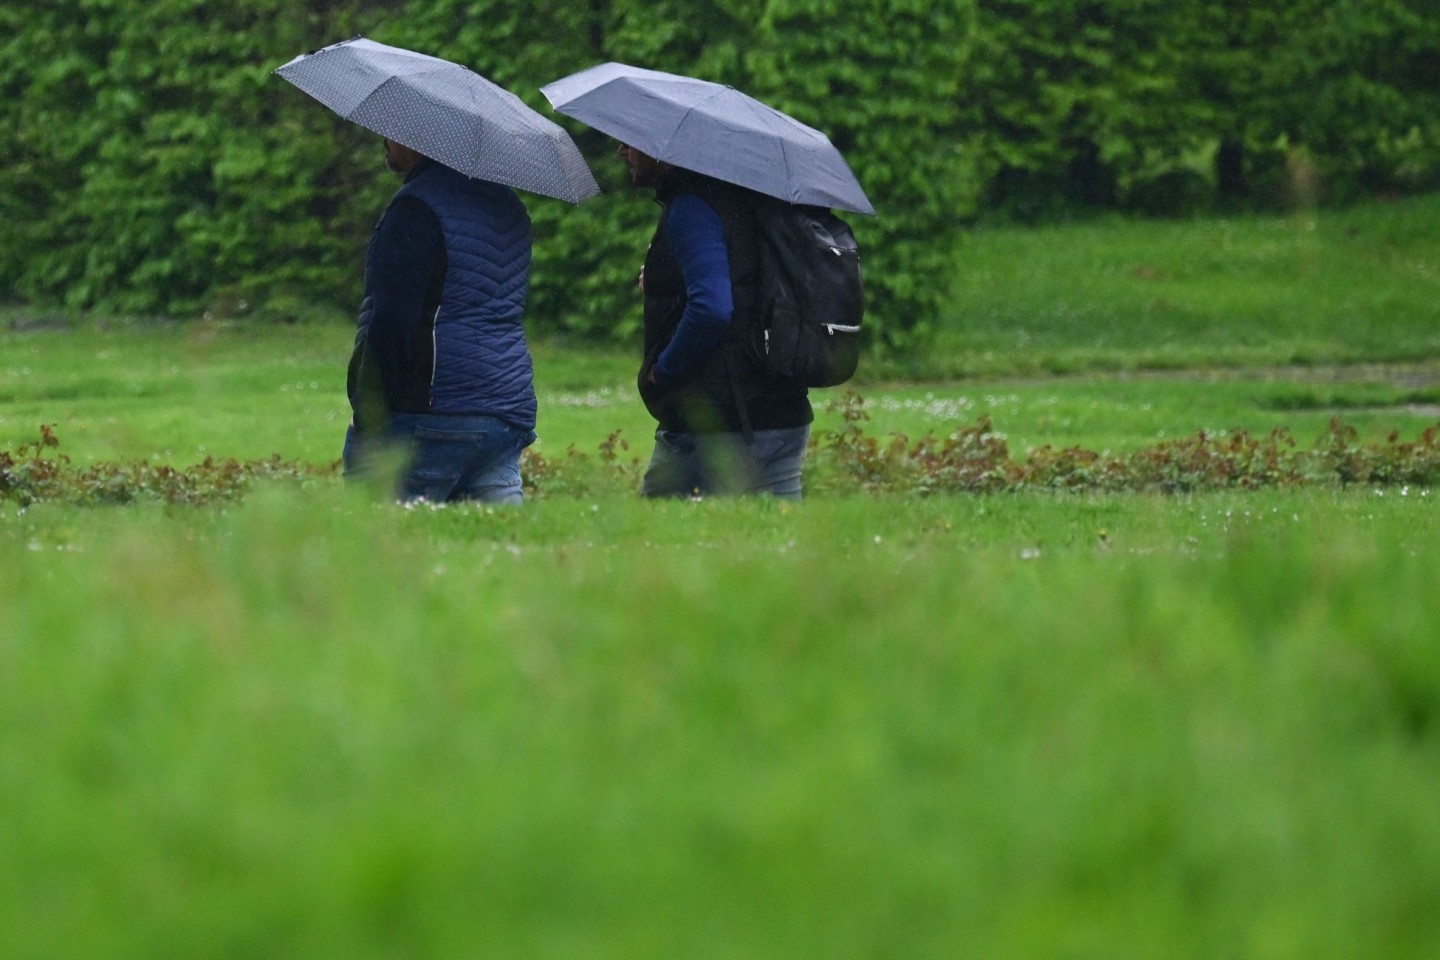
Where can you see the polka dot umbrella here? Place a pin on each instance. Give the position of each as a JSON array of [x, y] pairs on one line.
[[712, 129], [446, 112]]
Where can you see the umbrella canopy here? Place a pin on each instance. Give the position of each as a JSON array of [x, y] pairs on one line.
[[446, 112], [711, 129]]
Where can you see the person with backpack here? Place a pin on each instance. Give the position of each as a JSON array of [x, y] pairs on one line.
[[723, 426], [753, 288]]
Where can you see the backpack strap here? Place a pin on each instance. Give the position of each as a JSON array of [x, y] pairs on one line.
[[745, 429]]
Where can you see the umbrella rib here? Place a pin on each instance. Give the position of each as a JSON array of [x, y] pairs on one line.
[[404, 83], [686, 115]]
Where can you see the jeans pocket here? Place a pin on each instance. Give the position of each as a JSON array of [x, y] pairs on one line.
[[440, 457], [442, 435]]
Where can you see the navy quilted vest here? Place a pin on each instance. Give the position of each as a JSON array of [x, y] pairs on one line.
[[482, 362]]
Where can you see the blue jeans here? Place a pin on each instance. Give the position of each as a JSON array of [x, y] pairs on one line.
[[446, 458], [696, 464]]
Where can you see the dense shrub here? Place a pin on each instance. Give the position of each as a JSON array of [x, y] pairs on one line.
[[1172, 108], [156, 169], [163, 169], [155, 165]]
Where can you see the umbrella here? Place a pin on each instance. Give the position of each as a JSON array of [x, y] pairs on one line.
[[712, 129], [446, 112]]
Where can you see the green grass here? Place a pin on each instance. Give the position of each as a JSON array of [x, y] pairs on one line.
[[1009, 727], [311, 725], [1322, 287], [179, 394]]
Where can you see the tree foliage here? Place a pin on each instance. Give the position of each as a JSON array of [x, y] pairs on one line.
[[156, 165], [1170, 108]]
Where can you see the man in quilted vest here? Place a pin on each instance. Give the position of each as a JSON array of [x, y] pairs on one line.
[[441, 372]]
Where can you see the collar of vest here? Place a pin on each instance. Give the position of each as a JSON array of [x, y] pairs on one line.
[[421, 166]]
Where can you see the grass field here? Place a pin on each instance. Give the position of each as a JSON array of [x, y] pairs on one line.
[[1313, 288], [183, 393], [1036, 725]]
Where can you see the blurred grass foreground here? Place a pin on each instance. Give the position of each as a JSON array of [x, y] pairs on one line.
[[311, 726]]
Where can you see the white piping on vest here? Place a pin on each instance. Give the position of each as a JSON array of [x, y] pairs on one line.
[[434, 354]]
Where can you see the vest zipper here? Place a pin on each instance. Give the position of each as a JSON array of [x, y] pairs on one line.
[[434, 353]]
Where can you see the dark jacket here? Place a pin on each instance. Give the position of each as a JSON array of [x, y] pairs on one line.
[[440, 328], [709, 397]]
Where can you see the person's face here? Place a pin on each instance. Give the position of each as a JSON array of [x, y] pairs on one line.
[[399, 158], [644, 170]]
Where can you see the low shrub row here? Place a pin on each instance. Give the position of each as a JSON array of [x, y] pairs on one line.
[[973, 459], [977, 459], [36, 472]]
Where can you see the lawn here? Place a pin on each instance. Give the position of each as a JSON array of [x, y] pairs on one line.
[[177, 394], [1318, 287], [1028, 725], [307, 724]]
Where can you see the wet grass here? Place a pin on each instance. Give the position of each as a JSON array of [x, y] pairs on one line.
[[1014, 726], [1320, 287], [179, 394]]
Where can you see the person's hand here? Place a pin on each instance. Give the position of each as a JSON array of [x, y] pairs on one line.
[[640, 280]]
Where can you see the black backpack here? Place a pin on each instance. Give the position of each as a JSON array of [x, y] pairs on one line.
[[811, 297]]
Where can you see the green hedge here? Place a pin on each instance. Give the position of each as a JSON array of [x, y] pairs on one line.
[[1172, 107], [154, 164], [156, 167]]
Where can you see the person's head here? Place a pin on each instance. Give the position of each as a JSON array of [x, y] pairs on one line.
[[645, 170], [400, 158]]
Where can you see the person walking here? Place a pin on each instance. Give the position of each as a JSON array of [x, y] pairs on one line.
[[732, 407], [441, 369], [722, 427]]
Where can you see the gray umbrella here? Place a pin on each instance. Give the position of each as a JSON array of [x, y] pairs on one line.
[[711, 129], [447, 112]]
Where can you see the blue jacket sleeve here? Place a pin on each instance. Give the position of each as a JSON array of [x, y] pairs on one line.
[[697, 241]]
